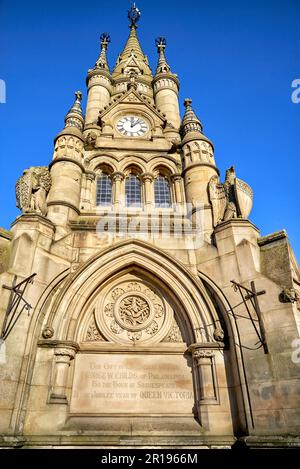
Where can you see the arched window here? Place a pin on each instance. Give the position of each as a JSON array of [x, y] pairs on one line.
[[104, 190], [133, 191], [162, 192]]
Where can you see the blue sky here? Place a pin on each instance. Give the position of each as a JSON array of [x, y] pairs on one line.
[[235, 59]]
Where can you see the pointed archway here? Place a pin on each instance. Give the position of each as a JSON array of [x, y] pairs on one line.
[[136, 344]]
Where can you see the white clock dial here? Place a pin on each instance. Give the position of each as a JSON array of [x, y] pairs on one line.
[[132, 126]]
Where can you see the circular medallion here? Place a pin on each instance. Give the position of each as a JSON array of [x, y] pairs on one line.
[[133, 312]]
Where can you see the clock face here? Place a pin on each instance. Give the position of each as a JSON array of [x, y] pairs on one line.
[[132, 126]]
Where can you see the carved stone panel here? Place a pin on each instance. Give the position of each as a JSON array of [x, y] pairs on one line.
[[110, 384]]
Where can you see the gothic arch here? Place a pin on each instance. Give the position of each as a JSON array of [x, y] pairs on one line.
[[133, 162], [104, 168], [98, 159], [160, 162], [185, 290]]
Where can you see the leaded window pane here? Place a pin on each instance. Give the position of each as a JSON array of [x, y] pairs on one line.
[[104, 190], [162, 192], [133, 191]]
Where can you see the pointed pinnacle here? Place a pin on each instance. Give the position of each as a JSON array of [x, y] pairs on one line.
[[74, 117], [102, 60], [190, 122], [162, 66]]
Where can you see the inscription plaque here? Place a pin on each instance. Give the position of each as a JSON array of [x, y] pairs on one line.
[[132, 384]]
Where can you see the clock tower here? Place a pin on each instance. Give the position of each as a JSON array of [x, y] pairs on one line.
[[159, 316]]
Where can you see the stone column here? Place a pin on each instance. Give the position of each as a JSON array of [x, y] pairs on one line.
[[90, 177], [118, 199], [149, 199], [204, 360], [64, 354], [176, 178]]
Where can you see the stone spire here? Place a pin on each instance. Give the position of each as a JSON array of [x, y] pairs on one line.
[[190, 122], [132, 58], [102, 60], [74, 117], [162, 66]]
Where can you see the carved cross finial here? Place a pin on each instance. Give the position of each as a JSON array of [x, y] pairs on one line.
[[104, 40], [134, 15], [160, 43]]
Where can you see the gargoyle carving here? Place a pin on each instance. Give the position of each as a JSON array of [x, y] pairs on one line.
[[233, 199], [288, 295], [32, 189]]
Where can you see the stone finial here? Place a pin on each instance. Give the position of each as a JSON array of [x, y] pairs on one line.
[[102, 60], [134, 15], [188, 103], [162, 66], [104, 40], [74, 117]]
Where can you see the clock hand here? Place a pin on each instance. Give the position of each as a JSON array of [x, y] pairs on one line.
[[136, 122]]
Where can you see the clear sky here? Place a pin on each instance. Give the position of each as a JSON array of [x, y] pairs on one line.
[[236, 59]]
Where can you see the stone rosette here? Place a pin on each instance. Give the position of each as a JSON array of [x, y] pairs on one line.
[[130, 312]]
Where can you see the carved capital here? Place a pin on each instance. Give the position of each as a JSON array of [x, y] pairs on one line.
[[201, 356], [147, 177], [176, 177], [90, 176], [65, 353], [118, 176]]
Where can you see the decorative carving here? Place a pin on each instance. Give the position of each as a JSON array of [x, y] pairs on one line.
[[134, 286], [219, 335], [32, 189], [114, 327], [152, 328], [288, 295], [200, 354], [159, 311], [134, 311], [174, 334], [132, 98], [131, 311], [93, 334], [108, 310], [232, 199], [91, 139], [116, 293], [68, 352], [134, 336], [48, 332]]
